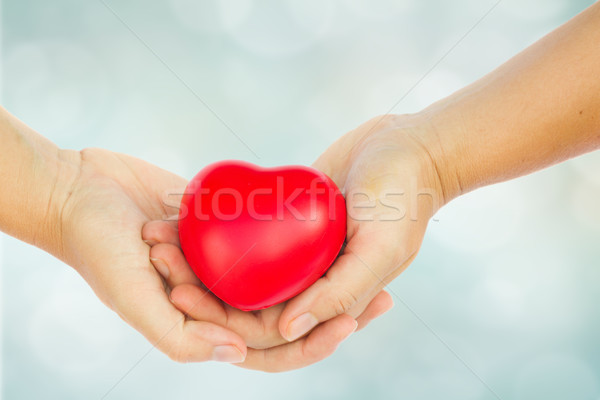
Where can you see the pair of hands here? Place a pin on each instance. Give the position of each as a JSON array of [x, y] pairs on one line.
[[392, 188]]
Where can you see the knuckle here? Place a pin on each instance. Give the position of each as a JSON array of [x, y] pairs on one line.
[[173, 345], [269, 365], [311, 355], [176, 354], [342, 301]]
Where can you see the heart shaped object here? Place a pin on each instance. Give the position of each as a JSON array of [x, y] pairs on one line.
[[259, 236]]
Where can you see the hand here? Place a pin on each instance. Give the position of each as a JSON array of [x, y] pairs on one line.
[[392, 188], [111, 199], [268, 350]]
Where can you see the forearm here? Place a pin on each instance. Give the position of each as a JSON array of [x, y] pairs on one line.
[[539, 108], [35, 176]]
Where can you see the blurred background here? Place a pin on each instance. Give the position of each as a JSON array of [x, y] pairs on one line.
[[503, 296]]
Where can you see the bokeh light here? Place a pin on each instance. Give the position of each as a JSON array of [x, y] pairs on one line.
[[212, 16], [507, 275], [556, 376], [68, 327], [480, 221], [281, 28]]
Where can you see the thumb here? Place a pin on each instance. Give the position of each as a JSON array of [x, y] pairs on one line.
[[351, 279]]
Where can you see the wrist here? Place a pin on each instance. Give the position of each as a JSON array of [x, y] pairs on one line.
[[52, 174], [440, 135], [66, 171], [35, 176]]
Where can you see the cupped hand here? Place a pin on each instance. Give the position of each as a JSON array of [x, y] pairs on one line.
[[268, 350], [111, 199], [390, 180]]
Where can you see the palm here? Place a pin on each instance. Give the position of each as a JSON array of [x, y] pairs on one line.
[[260, 329], [115, 195], [376, 164], [391, 190], [112, 199]]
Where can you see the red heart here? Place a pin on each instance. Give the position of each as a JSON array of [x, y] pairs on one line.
[[259, 236]]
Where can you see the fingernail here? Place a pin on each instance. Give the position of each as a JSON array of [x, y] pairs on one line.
[[150, 242], [228, 354], [353, 330], [300, 326], [161, 266]]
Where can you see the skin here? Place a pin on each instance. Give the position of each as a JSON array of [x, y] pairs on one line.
[[540, 108], [88, 209], [268, 350], [375, 243], [94, 208]]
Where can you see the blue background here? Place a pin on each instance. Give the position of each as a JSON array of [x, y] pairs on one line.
[[503, 296]]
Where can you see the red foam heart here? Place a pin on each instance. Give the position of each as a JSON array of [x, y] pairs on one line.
[[258, 236]]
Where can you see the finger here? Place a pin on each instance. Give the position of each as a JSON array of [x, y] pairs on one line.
[[371, 307], [354, 275], [259, 329], [171, 264], [363, 304], [321, 343], [190, 296], [160, 231], [198, 303], [140, 299], [380, 304]]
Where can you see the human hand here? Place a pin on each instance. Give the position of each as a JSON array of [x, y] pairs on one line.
[[509, 123], [390, 180], [267, 349], [112, 197]]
